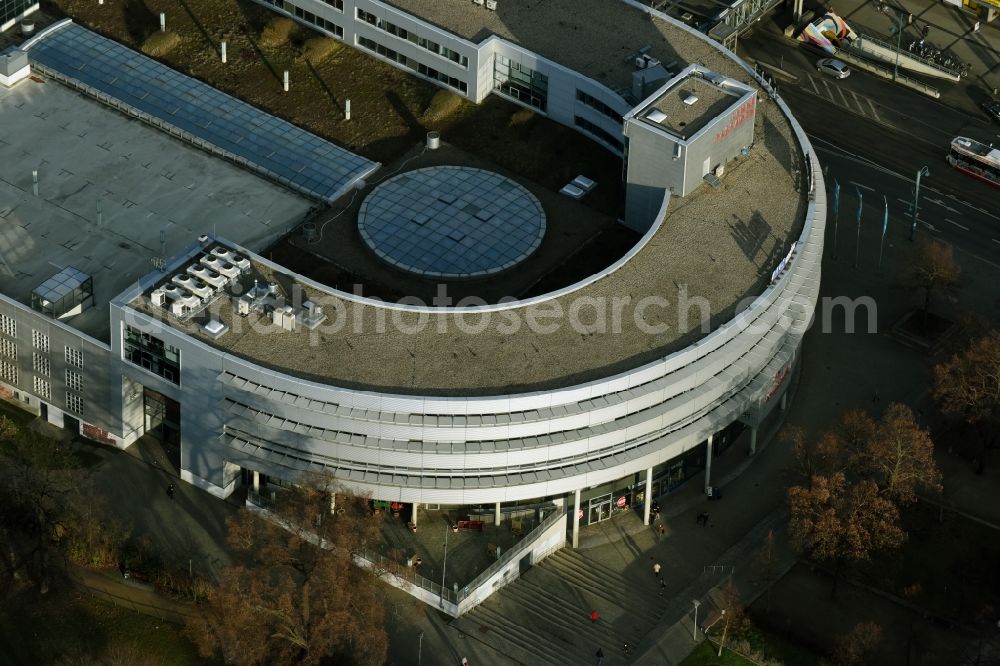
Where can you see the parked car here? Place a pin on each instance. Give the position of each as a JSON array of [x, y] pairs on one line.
[[992, 109], [834, 68]]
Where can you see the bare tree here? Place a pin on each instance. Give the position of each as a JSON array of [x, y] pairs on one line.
[[934, 268], [765, 567], [839, 522], [968, 384], [899, 456], [296, 596], [858, 645], [42, 507]]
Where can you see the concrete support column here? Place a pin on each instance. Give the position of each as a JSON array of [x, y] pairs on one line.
[[256, 481], [576, 519], [496, 515], [708, 463], [753, 440], [784, 400], [413, 518], [649, 495]]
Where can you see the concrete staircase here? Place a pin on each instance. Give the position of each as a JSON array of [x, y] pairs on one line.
[[544, 617]]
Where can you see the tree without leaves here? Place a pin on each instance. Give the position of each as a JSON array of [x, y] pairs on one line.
[[934, 268], [297, 596], [857, 646], [840, 522], [968, 384], [764, 564], [899, 456], [43, 509], [822, 458]]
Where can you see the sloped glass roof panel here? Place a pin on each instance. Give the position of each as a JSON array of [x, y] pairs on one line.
[[314, 166]]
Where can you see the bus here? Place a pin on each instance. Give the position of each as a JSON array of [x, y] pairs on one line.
[[976, 159]]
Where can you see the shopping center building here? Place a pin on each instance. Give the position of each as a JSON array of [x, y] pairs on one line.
[[137, 296]]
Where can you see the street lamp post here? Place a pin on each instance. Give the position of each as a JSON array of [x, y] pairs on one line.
[[899, 39], [924, 171], [420, 648], [694, 629], [444, 566], [724, 631]]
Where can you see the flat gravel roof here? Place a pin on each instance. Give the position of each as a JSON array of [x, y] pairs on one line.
[[713, 254]]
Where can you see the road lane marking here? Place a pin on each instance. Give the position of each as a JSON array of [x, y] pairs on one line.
[[863, 187], [857, 100], [960, 226], [829, 92], [942, 204], [812, 82], [996, 241], [874, 112], [847, 105], [930, 226]]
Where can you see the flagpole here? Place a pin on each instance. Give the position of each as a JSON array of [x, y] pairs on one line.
[[885, 227], [836, 214], [861, 205]]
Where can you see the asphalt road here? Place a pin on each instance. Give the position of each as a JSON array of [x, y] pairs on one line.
[[874, 122], [970, 228]]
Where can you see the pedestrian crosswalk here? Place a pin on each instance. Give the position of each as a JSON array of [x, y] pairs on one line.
[[843, 97]]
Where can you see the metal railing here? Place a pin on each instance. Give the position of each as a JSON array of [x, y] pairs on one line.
[[514, 553]]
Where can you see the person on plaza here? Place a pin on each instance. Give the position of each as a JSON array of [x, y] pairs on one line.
[[656, 569], [600, 656], [594, 617], [170, 491], [663, 586]]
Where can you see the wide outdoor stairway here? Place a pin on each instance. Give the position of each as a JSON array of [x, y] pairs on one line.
[[544, 617]]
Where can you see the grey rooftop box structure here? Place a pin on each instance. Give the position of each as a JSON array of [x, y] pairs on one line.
[[682, 136]]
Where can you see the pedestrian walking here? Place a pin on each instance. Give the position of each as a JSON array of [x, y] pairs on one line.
[[600, 656], [170, 491], [703, 519], [656, 569], [594, 617], [663, 586]]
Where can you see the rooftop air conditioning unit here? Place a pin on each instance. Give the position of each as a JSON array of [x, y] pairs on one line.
[[288, 318], [719, 170], [210, 278], [243, 306], [158, 297], [491, 5], [690, 99]]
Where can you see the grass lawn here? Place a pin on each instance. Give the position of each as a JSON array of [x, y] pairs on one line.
[[705, 655], [65, 623]]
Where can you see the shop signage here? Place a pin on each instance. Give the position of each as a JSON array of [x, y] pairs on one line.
[[579, 514], [620, 502], [784, 262], [95, 433], [779, 379]]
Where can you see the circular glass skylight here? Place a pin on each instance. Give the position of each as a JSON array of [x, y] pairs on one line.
[[452, 222]]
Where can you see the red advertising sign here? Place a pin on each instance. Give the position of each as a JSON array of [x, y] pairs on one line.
[[621, 501], [95, 433]]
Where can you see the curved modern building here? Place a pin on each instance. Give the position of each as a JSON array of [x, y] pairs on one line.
[[602, 394]]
